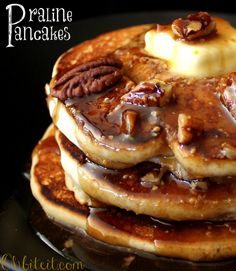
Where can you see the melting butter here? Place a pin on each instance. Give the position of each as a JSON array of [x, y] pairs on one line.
[[210, 56]]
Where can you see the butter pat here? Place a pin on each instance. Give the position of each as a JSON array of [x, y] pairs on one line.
[[205, 57]]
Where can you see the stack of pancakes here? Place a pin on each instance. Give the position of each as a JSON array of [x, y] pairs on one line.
[[138, 155]]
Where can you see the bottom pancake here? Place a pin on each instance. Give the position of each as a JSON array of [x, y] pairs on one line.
[[196, 241]]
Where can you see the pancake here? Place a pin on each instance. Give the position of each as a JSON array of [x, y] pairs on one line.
[[198, 241], [99, 146], [48, 184], [119, 157], [149, 189], [188, 119], [79, 194]]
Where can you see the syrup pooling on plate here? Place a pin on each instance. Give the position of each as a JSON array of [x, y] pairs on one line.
[[116, 226], [144, 227], [84, 248]]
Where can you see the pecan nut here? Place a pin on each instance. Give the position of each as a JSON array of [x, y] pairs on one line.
[[227, 87], [229, 151], [129, 122], [152, 93], [196, 25], [85, 79], [188, 127]]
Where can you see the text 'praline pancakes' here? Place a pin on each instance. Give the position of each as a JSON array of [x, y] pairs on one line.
[[85, 79]]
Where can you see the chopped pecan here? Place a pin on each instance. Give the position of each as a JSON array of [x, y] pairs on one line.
[[156, 130], [198, 184], [91, 77], [229, 151], [150, 93], [196, 25], [227, 88], [154, 178], [129, 122], [187, 128]]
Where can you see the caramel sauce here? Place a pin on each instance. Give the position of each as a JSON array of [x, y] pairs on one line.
[[152, 229], [200, 100], [131, 180], [52, 189], [97, 255], [100, 115], [100, 221]]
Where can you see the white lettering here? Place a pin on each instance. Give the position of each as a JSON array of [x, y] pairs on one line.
[[17, 31], [32, 12], [37, 35], [41, 15], [67, 34], [45, 33], [10, 23], [69, 16]]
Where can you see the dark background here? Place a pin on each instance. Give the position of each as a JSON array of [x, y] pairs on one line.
[[26, 68]]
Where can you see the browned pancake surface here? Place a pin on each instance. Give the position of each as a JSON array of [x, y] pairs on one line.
[[50, 176], [147, 188], [194, 241], [197, 98]]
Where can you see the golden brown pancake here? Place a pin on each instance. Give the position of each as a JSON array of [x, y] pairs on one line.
[[99, 145], [149, 189], [197, 241], [95, 123], [48, 183]]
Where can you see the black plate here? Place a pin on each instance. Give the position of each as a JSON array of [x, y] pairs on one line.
[[17, 238]]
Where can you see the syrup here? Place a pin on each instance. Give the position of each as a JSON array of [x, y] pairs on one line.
[[100, 222], [97, 255]]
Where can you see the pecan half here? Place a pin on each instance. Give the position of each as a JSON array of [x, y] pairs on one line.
[[85, 79], [227, 88], [151, 93], [196, 25]]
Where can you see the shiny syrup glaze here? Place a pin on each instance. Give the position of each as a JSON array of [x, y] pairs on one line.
[[145, 228], [152, 229], [131, 180], [97, 255], [101, 115], [200, 101], [48, 170]]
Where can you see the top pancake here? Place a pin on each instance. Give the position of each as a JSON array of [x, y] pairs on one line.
[[94, 122]]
